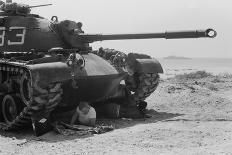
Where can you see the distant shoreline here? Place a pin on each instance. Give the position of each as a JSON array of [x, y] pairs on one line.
[[177, 57]]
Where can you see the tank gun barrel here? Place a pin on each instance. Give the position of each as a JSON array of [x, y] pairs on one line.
[[36, 6], [208, 33]]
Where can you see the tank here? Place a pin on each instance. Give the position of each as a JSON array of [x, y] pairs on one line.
[[48, 66]]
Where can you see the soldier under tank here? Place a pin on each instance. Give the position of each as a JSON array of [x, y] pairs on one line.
[[85, 114], [50, 78]]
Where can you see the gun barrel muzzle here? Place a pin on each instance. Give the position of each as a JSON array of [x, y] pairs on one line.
[[210, 33]]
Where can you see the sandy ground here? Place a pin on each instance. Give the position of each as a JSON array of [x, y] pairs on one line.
[[192, 117]]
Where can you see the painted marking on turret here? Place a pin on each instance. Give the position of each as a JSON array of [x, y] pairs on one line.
[[14, 29]]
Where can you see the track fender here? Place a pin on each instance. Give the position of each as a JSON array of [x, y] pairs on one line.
[[50, 73], [146, 66]]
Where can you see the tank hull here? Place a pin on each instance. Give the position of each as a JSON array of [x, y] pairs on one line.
[[97, 81]]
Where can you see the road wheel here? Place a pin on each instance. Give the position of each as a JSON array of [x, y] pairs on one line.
[[11, 107]]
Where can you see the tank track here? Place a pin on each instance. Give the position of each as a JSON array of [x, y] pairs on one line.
[[142, 85], [39, 101]]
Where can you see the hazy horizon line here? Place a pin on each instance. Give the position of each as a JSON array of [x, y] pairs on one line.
[[194, 57]]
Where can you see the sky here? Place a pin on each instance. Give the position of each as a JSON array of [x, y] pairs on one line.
[[149, 16]]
